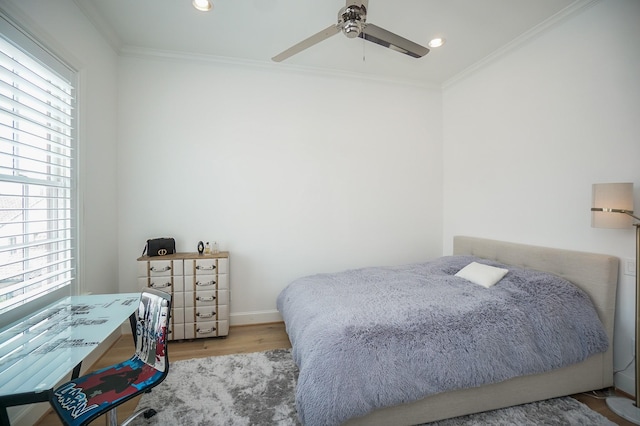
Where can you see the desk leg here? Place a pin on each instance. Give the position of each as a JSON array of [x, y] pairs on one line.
[[76, 371], [4, 417], [133, 321]]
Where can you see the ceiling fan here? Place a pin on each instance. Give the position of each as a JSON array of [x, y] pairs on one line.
[[352, 21]]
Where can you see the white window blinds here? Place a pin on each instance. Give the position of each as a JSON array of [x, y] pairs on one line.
[[37, 175]]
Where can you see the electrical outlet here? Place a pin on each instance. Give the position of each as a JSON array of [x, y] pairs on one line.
[[630, 267]]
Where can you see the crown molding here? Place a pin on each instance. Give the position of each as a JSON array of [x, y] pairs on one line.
[[14, 16], [146, 53], [552, 22], [101, 24]]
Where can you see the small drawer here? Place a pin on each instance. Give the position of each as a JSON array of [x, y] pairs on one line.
[[177, 316], [189, 299], [210, 297], [206, 282], [211, 313], [206, 329], [155, 268], [176, 332], [206, 266], [223, 281], [167, 284], [179, 299]]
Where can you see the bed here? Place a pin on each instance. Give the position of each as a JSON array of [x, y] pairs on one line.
[[323, 386]]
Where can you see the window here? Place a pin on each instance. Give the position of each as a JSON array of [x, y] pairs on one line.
[[37, 171]]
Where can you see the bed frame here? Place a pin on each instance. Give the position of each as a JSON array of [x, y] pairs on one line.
[[597, 274]]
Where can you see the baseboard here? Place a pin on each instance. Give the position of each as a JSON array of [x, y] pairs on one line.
[[256, 317], [625, 381]]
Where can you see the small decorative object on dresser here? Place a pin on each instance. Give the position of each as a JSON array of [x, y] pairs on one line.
[[199, 284], [159, 247]]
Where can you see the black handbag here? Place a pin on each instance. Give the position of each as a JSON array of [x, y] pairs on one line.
[[159, 247]]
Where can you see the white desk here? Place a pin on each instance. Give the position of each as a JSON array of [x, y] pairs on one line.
[[39, 351]]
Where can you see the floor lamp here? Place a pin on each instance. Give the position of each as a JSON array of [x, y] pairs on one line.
[[617, 198]]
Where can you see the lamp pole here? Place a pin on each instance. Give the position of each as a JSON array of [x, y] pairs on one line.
[[637, 349], [620, 196], [619, 406]]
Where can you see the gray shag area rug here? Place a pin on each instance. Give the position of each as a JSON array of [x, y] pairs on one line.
[[259, 389]]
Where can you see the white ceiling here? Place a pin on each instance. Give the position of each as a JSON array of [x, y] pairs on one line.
[[256, 30]]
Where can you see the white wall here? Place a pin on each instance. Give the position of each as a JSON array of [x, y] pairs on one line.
[[294, 173], [526, 136]]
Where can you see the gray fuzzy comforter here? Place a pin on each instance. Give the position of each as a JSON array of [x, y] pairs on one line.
[[374, 337]]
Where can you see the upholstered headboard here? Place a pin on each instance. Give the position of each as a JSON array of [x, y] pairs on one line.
[[597, 274]]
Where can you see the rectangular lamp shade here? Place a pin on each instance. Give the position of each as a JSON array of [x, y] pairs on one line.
[[617, 196]]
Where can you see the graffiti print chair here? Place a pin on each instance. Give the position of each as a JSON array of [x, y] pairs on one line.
[[81, 400]]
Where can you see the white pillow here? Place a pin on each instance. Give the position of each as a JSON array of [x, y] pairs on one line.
[[482, 274]]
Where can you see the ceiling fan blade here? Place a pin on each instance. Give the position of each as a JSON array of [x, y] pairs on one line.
[[314, 39], [393, 41]]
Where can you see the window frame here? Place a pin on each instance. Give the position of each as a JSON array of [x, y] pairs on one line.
[[23, 40]]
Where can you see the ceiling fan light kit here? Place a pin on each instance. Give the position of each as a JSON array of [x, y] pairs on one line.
[[202, 5], [436, 42], [352, 21]]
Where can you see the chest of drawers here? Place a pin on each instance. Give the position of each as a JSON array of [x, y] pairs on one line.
[[200, 289]]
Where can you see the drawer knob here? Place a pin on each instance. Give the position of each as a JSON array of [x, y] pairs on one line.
[[205, 298], [161, 285], [207, 315], [212, 282], [206, 330]]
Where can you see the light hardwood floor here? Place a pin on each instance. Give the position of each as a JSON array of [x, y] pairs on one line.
[[242, 339]]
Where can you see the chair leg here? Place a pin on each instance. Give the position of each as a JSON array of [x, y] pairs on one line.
[[146, 412], [112, 417]]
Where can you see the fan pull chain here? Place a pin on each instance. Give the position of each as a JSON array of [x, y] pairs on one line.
[[363, 50]]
